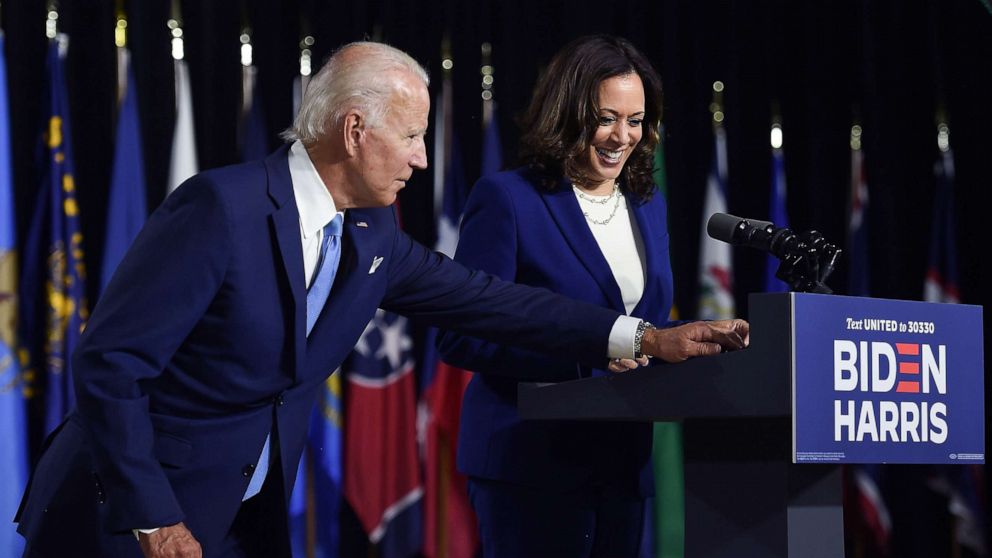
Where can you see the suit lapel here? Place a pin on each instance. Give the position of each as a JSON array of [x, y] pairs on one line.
[[285, 221], [647, 226], [567, 214]]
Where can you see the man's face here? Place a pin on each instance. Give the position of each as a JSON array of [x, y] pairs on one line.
[[391, 151]]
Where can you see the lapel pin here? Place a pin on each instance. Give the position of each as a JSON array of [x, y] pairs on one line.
[[376, 261], [362, 224]]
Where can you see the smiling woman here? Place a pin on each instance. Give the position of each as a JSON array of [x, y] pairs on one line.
[[584, 219], [595, 89]]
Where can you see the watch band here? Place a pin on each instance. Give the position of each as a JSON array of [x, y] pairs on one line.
[[639, 336]]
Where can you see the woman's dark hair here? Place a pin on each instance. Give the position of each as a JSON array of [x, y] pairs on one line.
[[564, 112]]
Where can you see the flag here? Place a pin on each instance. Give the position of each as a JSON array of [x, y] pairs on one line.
[[450, 523], [300, 83], [964, 485], [492, 148], [660, 176], [447, 205], [381, 469], [659, 172], [776, 214], [941, 284], [319, 487], [716, 296], [254, 137], [315, 501], [53, 308], [857, 227], [126, 207], [13, 420], [665, 530], [871, 519], [183, 163]]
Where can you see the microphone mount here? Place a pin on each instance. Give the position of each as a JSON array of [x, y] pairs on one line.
[[806, 259]]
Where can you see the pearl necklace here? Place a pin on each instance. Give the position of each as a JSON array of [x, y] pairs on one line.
[[615, 196]]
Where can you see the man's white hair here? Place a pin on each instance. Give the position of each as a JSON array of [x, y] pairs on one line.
[[349, 80]]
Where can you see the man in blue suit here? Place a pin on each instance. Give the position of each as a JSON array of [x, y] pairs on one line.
[[196, 375]]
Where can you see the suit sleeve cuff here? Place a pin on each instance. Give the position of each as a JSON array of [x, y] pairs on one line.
[[622, 337]]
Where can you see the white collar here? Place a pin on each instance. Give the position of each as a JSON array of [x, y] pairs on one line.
[[314, 202]]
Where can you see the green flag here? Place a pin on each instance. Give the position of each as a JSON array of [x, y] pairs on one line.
[[669, 510]]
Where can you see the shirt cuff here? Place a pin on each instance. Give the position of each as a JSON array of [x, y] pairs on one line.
[[622, 337], [145, 531]]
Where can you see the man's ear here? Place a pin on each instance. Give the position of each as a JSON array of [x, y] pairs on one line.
[[353, 131]]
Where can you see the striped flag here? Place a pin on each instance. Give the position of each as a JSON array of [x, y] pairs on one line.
[[254, 136], [450, 524], [716, 295], [857, 226], [871, 518], [321, 471], [964, 485], [941, 283], [381, 469], [492, 147], [13, 420], [53, 299], [183, 163], [776, 214], [127, 207]]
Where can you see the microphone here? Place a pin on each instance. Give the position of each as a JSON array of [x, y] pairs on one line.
[[807, 260], [760, 235]]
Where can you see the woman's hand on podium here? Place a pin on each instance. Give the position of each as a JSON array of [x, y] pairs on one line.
[[676, 344], [618, 365]]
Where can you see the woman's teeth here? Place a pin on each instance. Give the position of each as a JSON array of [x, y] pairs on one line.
[[610, 156]]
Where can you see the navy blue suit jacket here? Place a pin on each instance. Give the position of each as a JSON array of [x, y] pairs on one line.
[[198, 350], [522, 233]]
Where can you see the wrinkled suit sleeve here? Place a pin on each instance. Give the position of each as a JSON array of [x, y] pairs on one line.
[[437, 291], [157, 295]]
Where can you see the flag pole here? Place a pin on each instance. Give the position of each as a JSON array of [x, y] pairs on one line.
[[487, 72], [716, 107], [52, 19], [120, 40]]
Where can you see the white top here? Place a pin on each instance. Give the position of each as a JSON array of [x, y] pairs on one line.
[[314, 203], [615, 230]]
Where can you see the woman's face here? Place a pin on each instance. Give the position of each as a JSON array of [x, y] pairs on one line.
[[621, 113]]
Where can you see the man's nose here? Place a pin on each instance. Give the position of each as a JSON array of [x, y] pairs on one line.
[[419, 158]]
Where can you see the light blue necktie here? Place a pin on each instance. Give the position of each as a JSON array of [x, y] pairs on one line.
[[320, 287], [327, 268]]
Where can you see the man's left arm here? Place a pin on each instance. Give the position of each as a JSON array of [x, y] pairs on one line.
[[433, 289]]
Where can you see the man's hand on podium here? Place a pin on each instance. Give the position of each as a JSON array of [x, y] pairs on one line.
[[675, 344], [174, 541]]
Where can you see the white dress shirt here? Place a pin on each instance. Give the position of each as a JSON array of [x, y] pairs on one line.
[[314, 203]]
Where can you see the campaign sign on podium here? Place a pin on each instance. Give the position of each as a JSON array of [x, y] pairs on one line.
[[886, 381]]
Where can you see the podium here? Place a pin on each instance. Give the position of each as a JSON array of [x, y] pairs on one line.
[[744, 495]]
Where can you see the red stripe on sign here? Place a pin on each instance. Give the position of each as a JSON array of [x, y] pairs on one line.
[[908, 387], [909, 367], [908, 348]]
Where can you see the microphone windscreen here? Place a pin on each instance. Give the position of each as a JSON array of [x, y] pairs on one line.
[[721, 227]]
